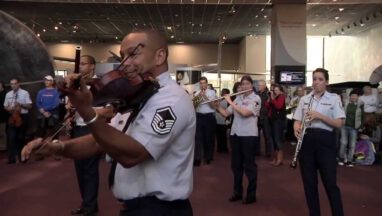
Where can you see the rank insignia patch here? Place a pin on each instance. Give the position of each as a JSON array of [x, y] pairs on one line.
[[163, 121]]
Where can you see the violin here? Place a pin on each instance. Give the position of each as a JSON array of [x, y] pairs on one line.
[[15, 119], [115, 88]]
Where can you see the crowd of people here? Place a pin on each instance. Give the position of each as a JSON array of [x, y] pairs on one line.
[[164, 136]]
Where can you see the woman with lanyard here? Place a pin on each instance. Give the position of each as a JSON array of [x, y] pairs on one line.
[[323, 112], [245, 108]]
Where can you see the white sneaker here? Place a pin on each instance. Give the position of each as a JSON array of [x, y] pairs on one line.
[[340, 163], [349, 164]]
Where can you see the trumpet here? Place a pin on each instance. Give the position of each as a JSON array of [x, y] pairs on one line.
[[293, 164], [197, 100], [219, 98]]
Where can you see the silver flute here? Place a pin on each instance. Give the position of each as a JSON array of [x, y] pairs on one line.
[[293, 164]]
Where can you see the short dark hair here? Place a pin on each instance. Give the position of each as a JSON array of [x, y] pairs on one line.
[[279, 87], [235, 87], [203, 78], [246, 77], [354, 92], [155, 36], [323, 71], [225, 91], [90, 58], [17, 80]]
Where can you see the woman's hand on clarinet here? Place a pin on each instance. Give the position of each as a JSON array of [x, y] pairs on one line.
[[297, 132], [313, 115], [41, 147]]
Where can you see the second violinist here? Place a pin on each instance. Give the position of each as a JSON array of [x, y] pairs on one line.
[[18, 103]]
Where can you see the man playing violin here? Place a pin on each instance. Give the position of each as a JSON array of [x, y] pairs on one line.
[[17, 102], [153, 174], [87, 169]]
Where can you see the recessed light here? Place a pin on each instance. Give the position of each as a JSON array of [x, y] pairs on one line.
[[38, 34], [60, 23], [168, 27], [55, 28], [337, 18], [341, 9], [44, 30], [314, 25], [172, 36]]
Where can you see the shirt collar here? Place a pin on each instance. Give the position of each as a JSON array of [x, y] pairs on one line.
[[163, 78]]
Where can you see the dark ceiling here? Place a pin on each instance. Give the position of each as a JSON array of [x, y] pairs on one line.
[[198, 21]]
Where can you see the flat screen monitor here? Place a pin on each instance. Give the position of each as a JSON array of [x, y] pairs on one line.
[[290, 75]]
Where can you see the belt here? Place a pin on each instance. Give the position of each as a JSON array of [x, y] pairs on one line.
[[317, 130], [142, 202]]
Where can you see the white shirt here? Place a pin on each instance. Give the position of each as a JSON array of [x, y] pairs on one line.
[[206, 108], [370, 103], [246, 126], [329, 104], [165, 127], [21, 96]]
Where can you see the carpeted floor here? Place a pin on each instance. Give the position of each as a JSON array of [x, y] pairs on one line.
[[49, 188]]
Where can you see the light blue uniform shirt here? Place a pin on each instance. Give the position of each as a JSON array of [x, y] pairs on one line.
[[246, 126], [20, 96], [165, 127], [329, 104], [206, 108]]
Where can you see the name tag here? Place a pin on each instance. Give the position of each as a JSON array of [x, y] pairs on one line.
[[326, 104]]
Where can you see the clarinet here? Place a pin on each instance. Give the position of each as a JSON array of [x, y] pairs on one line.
[[293, 164]]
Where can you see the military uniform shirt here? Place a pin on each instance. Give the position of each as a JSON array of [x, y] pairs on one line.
[[206, 108], [329, 104], [246, 126], [22, 97], [165, 127]]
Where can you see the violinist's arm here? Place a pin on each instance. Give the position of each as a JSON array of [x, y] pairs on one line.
[[80, 148], [123, 148]]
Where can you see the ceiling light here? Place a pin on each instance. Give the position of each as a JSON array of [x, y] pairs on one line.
[[180, 42], [257, 25], [314, 25], [44, 30], [168, 27], [341, 9], [75, 27], [116, 37], [74, 31], [265, 16], [176, 15], [38, 34], [172, 36], [337, 18], [256, 16], [55, 28], [60, 23], [361, 23], [262, 9], [334, 0]]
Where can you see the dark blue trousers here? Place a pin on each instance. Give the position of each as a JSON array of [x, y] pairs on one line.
[[150, 206], [16, 139], [87, 171], [205, 136], [243, 161], [318, 154]]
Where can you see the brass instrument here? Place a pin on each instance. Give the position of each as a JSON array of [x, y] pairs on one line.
[[198, 99], [293, 164], [219, 98]]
